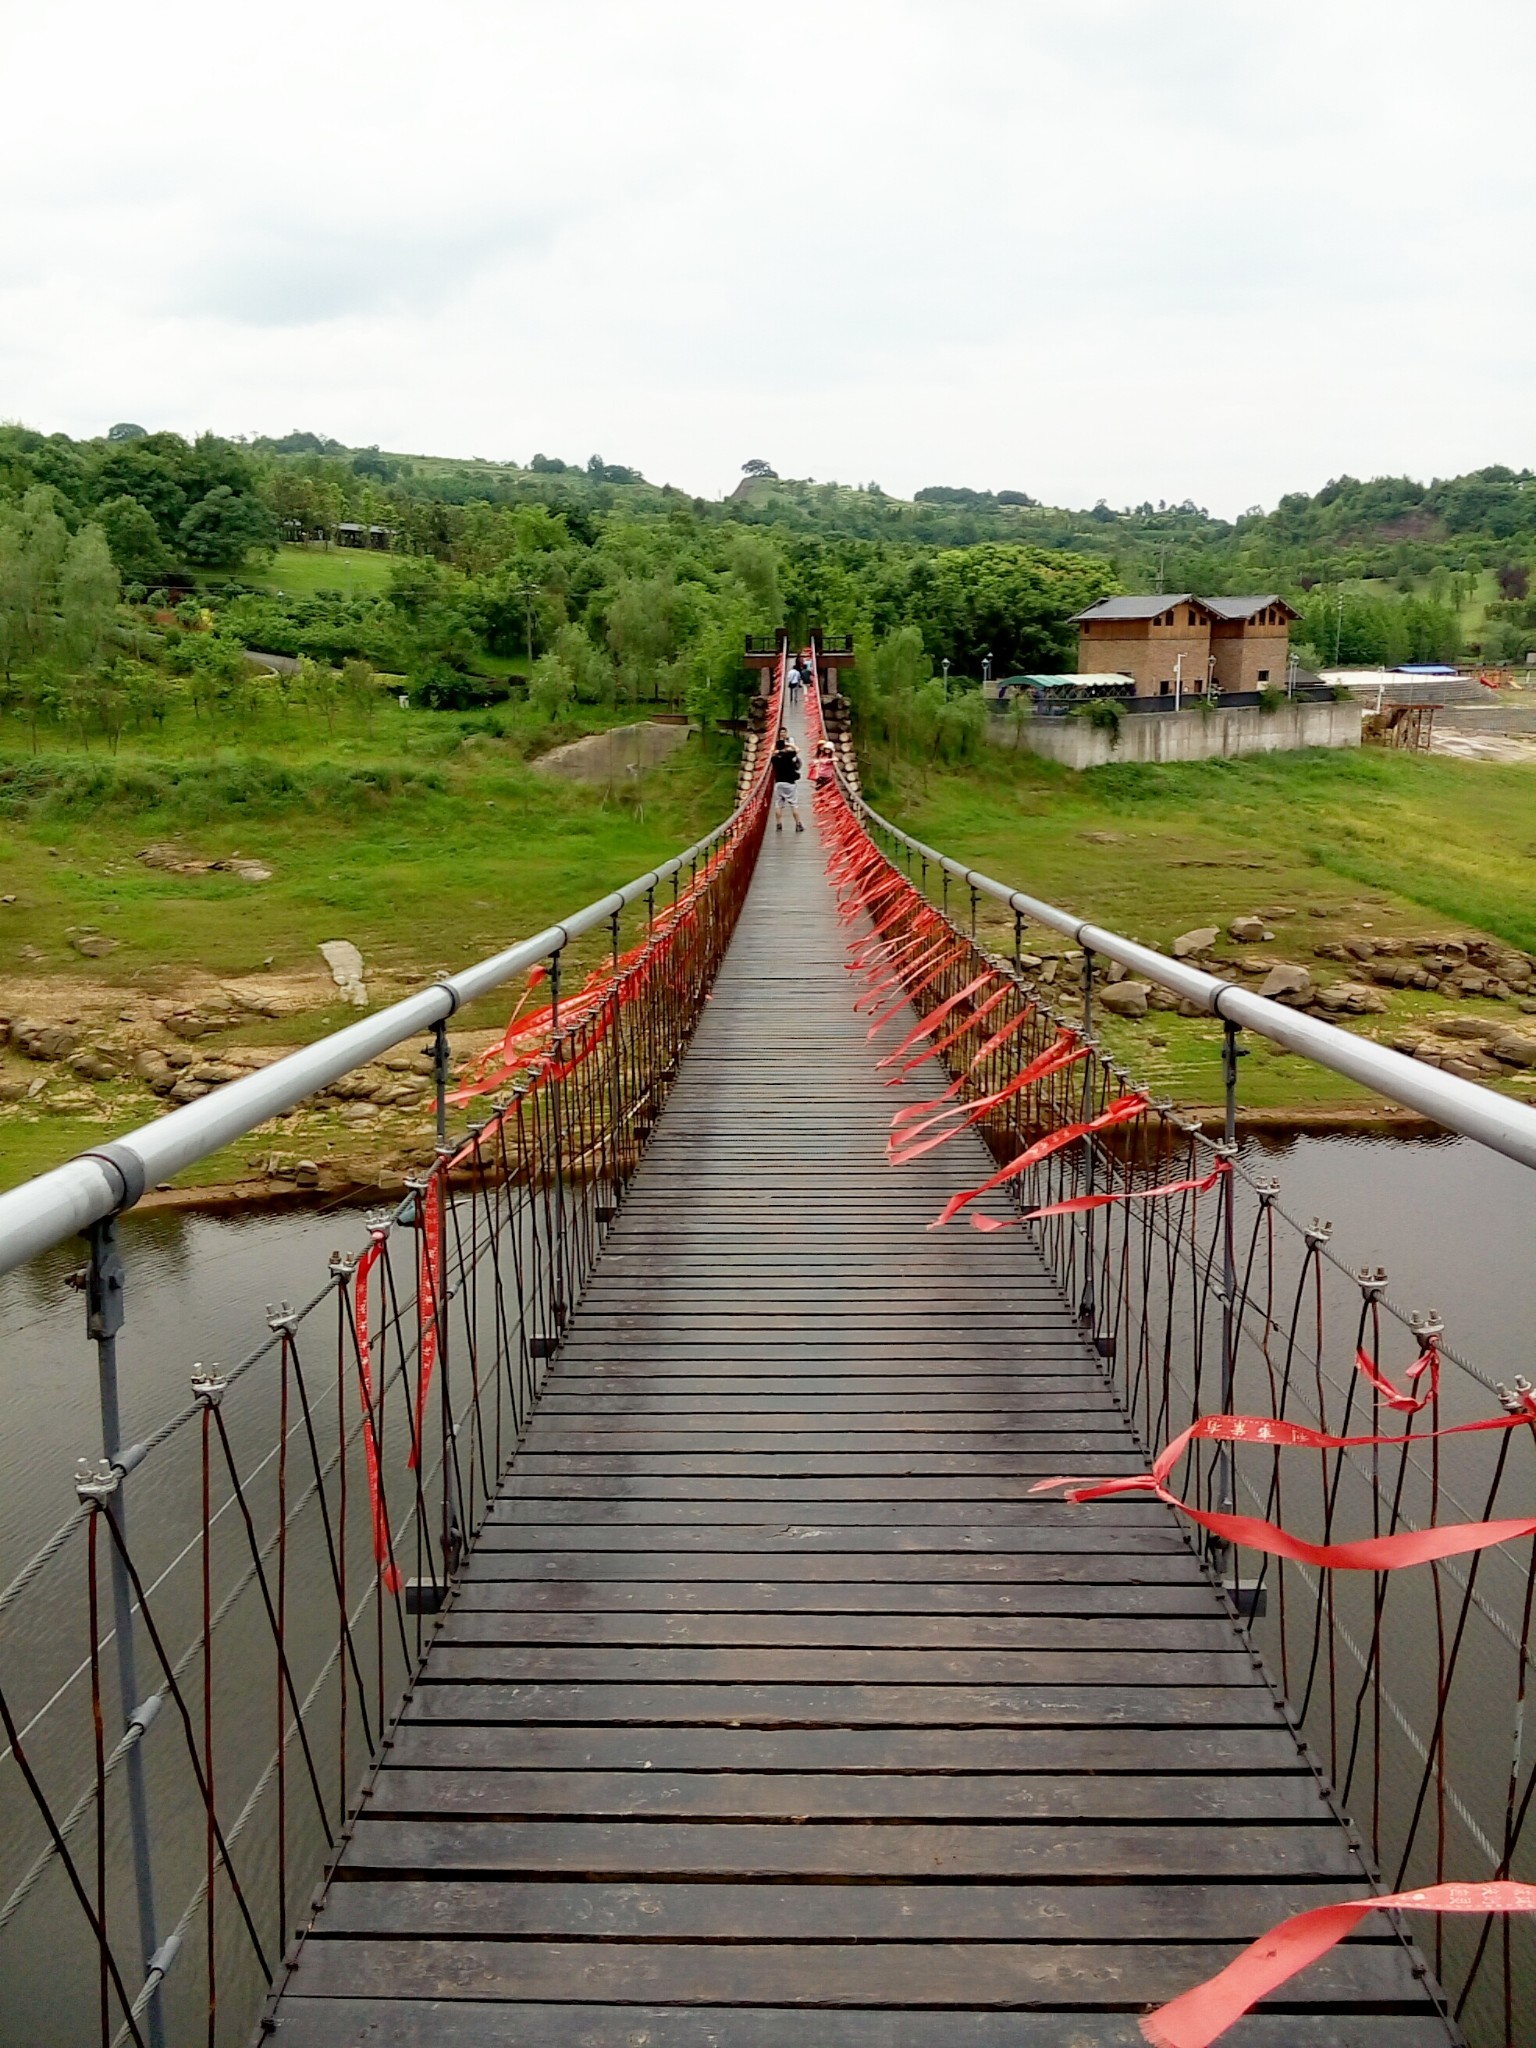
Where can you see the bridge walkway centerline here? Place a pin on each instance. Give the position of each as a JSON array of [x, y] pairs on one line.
[[770, 1710]]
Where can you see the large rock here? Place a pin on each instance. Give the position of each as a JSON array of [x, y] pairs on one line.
[[346, 965], [94, 945], [1352, 998], [1126, 998], [1247, 929], [1200, 940], [1515, 1048], [43, 1041], [619, 755], [1283, 979]]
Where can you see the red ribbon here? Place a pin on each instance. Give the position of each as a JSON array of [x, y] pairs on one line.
[[1196, 2018], [1401, 1399], [1367, 1554], [428, 1301], [1079, 1203], [911, 1144], [936, 967], [936, 1017], [389, 1573], [1122, 1111], [932, 1052]]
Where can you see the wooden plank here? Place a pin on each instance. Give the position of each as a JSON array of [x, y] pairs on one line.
[[1041, 1748], [460, 1907], [719, 1797], [848, 1706], [1099, 1537], [835, 1851], [356, 2022], [900, 1975], [456, 1663], [801, 1562], [1095, 1605], [1055, 1633]]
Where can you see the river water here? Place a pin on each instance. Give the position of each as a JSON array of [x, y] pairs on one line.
[[1454, 1226]]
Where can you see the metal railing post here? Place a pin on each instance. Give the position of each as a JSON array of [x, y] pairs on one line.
[[440, 1077], [104, 1288]]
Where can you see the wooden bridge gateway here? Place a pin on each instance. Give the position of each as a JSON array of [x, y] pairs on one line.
[[770, 1710]]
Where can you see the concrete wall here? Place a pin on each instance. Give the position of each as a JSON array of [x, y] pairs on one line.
[[1182, 735]]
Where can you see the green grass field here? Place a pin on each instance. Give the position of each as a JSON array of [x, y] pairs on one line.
[[426, 842], [1407, 845], [300, 572]]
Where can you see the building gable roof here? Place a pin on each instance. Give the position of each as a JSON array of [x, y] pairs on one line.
[[1247, 607], [1140, 607]]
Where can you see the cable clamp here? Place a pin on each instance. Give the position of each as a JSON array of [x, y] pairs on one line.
[[1318, 1232], [96, 1484], [1373, 1282], [283, 1318], [208, 1386], [1268, 1192], [340, 1267]]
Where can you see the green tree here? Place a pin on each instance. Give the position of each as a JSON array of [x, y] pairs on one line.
[[222, 528], [551, 687]]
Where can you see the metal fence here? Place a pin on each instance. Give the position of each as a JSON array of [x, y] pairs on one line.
[[1203, 1297], [193, 1695]]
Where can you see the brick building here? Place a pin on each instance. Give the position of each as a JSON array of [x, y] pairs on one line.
[[1177, 643], [1251, 641]]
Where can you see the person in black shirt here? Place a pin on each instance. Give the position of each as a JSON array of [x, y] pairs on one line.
[[784, 765]]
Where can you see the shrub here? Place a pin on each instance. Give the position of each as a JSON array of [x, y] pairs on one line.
[[1270, 700], [440, 688], [1102, 713]]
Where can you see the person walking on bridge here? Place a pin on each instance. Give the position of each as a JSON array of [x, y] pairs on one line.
[[784, 762], [794, 680]]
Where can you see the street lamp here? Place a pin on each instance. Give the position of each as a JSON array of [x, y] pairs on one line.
[[945, 666], [1178, 682], [986, 668]]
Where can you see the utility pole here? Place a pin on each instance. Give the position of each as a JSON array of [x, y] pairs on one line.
[[1338, 631]]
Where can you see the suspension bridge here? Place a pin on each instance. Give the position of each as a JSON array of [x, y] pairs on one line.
[[627, 1601]]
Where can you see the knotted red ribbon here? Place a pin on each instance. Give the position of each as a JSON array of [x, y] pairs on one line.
[[1366, 1554], [1196, 2018], [1406, 1402]]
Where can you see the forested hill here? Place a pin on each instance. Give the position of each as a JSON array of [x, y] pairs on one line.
[[550, 559]]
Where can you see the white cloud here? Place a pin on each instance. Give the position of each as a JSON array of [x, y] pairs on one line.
[[1130, 248]]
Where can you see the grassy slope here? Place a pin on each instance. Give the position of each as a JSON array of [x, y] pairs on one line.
[[472, 851], [300, 572], [1407, 845]]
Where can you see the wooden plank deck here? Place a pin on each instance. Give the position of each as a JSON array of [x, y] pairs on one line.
[[771, 1711]]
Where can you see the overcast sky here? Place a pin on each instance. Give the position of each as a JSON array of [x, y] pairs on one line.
[[1134, 249]]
